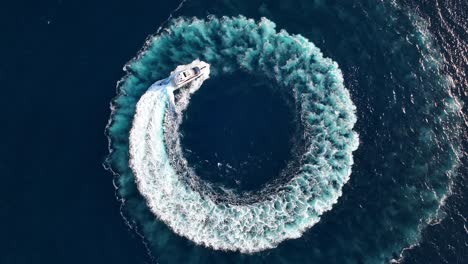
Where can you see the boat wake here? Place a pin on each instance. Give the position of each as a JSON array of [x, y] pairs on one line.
[[326, 112]]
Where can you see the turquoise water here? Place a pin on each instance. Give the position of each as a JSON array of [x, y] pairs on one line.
[[366, 69]]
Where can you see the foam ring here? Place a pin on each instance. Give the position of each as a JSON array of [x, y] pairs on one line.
[[326, 113]]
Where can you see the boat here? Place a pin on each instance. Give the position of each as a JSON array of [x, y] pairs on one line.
[[180, 77], [186, 76]]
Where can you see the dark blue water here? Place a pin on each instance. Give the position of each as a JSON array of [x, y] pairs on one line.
[[245, 148], [60, 63]]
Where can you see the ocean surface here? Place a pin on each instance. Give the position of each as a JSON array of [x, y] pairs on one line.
[[328, 132]]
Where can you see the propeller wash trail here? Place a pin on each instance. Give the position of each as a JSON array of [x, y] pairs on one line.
[[324, 108]]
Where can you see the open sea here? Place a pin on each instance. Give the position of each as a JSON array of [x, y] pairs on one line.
[[327, 132]]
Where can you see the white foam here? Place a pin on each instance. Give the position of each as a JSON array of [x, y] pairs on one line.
[[247, 228], [287, 211]]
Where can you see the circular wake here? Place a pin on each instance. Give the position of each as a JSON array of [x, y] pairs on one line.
[[325, 109], [409, 118]]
